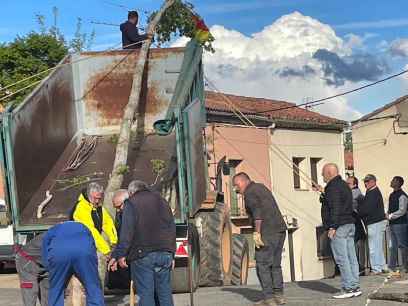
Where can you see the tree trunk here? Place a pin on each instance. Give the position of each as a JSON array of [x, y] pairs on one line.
[[119, 166]]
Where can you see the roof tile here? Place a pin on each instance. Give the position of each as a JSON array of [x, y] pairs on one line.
[[251, 106]]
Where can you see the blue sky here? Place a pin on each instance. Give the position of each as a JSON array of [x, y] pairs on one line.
[[378, 22]]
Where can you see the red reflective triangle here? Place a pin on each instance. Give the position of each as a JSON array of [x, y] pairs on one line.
[[182, 251]]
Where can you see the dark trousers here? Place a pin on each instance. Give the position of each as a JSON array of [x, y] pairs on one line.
[[268, 264], [399, 240], [361, 251], [74, 258], [151, 275], [33, 282]]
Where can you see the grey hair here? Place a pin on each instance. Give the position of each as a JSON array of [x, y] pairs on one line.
[[121, 195], [94, 187], [136, 186]]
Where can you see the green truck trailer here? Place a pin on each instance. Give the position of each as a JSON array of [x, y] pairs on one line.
[[77, 110]]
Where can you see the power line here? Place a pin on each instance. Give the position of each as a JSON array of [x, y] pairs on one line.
[[335, 96]]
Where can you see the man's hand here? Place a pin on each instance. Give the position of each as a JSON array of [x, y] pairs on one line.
[[113, 265], [331, 233], [122, 262], [258, 240]]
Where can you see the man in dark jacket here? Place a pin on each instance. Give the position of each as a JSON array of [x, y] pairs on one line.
[[361, 231], [337, 210], [397, 216], [371, 210], [148, 243], [131, 39], [269, 236], [34, 282]]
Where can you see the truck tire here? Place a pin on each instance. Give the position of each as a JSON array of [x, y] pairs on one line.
[[180, 277], [240, 260], [215, 246]]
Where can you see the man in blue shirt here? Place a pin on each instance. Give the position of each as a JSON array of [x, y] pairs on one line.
[[69, 249]]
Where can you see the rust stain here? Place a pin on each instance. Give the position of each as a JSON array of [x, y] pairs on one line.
[[153, 52], [155, 104], [107, 93]]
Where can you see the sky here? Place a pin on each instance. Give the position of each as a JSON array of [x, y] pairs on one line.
[[293, 50]]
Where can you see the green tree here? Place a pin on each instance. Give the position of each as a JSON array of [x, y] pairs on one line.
[[25, 56], [36, 52], [181, 20], [348, 141]]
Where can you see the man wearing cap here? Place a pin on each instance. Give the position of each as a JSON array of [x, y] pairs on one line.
[[371, 210], [131, 39], [397, 216]]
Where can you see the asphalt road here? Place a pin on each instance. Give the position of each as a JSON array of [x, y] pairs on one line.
[[313, 293]]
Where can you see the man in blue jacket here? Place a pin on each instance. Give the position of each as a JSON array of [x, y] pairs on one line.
[[69, 249]]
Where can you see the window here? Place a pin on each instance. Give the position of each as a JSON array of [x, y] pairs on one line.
[[299, 164], [315, 168]]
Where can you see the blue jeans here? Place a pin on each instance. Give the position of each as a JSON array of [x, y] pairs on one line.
[[376, 245], [344, 253], [399, 240], [151, 275]]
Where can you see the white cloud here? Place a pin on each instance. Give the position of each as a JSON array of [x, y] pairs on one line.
[[278, 62], [399, 47], [376, 24]]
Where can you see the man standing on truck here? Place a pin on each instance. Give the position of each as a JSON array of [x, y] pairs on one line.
[[269, 237], [34, 282], [68, 249], [131, 39], [148, 243], [90, 212]]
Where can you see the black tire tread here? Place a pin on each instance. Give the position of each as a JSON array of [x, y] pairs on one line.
[[240, 246], [211, 271]]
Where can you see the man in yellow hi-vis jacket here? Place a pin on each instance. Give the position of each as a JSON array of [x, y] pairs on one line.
[[90, 212]]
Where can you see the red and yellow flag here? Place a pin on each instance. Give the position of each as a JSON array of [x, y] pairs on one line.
[[202, 33]]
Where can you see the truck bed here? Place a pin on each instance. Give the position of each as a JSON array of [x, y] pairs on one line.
[[142, 150]]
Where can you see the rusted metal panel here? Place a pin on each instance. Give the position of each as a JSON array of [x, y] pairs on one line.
[[41, 129], [105, 82]]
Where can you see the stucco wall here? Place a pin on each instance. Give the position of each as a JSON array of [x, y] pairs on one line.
[[263, 165], [303, 204], [379, 151]]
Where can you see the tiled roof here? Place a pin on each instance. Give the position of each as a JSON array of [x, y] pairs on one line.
[[251, 106]]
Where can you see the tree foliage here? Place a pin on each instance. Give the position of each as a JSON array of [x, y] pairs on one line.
[[178, 20], [35, 52]]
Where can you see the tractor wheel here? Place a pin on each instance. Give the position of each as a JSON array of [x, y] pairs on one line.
[[240, 260], [215, 246]]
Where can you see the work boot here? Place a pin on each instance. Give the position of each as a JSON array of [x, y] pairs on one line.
[[267, 302], [279, 299]]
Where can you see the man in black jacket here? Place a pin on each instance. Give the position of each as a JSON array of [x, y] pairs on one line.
[[131, 39], [269, 236], [337, 210], [397, 216], [148, 243], [371, 210]]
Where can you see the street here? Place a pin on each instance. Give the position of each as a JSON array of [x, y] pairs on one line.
[[313, 293]]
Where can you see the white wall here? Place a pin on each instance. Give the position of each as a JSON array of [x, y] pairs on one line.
[[377, 150], [303, 204]]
